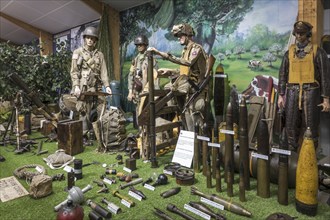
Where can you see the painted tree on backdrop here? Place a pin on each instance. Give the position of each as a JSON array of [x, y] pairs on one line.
[[209, 18]]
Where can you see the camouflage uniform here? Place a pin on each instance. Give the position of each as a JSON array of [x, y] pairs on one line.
[[192, 63], [89, 72], [138, 75]]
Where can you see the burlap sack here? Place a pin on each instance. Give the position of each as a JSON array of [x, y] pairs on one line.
[[41, 186]]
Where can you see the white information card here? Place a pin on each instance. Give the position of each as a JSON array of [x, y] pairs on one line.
[[184, 150]]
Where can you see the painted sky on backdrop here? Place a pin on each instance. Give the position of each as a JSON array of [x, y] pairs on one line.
[[283, 11]]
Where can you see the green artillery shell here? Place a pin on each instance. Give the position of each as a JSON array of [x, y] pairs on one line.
[[263, 167], [244, 142], [170, 192], [282, 193], [206, 210], [228, 205], [229, 145], [241, 184]]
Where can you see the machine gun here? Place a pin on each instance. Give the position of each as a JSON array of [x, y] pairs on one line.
[[33, 97], [203, 84]]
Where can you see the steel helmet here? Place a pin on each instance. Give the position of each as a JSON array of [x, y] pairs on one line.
[[184, 28], [90, 31], [141, 39]]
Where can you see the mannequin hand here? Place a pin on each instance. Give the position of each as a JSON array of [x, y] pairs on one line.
[[77, 91], [152, 49], [130, 96], [280, 102], [165, 72], [325, 105], [108, 90]]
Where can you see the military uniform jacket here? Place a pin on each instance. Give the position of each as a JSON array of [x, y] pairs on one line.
[[139, 70], [321, 72], [88, 69], [138, 67], [194, 59]]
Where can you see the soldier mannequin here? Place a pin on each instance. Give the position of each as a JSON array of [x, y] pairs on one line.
[[304, 85], [88, 74], [192, 69], [137, 77]]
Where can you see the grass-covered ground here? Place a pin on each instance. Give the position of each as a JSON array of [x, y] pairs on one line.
[[27, 208]]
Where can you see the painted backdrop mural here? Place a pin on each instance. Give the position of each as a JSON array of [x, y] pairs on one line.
[[248, 37]]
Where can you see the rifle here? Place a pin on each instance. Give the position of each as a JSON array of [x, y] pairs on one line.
[[203, 84], [33, 97]]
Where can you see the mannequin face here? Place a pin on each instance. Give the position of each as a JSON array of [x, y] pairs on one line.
[[183, 39], [301, 37], [141, 48], [90, 41]]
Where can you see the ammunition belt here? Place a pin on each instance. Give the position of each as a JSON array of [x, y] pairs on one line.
[[23, 173], [184, 176]]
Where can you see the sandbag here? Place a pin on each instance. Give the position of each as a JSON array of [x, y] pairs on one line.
[[41, 186]]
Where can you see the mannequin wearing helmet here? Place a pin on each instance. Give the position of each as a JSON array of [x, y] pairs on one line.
[[88, 74], [304, 85], [192, 69], [137, 77]]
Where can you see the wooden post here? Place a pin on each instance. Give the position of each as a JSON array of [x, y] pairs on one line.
[[312, 12]]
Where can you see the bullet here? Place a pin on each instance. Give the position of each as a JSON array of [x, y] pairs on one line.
[[230, 173], [228, 205], [205, 150], [244, 142], [282, 193], [207, 157], [263, 167], [196, 150], [292, 165], [170, 192], [307, 177], [234, 105], [134, 182], [161, 214], [229, 145], [214, 151], [201, 207], [138, 192], [174, 209], [217, 158], [241, 184]]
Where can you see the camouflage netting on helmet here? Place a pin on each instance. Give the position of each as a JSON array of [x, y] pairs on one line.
[[113, 128]]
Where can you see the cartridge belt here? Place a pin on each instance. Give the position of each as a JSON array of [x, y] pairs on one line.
[[184, 176]]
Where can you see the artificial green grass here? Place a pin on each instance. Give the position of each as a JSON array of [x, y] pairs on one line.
[[29, 208]]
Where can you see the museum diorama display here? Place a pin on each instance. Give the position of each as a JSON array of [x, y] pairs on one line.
[[180, 134]]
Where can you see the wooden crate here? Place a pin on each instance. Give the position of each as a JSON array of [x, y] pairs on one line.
[[70, 137]]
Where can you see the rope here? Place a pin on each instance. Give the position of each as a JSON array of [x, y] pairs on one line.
[[23, 173]]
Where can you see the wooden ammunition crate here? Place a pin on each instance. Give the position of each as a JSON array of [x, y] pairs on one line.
[[70, 137]]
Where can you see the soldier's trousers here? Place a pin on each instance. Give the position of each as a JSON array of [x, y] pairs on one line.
[[298, 120]]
